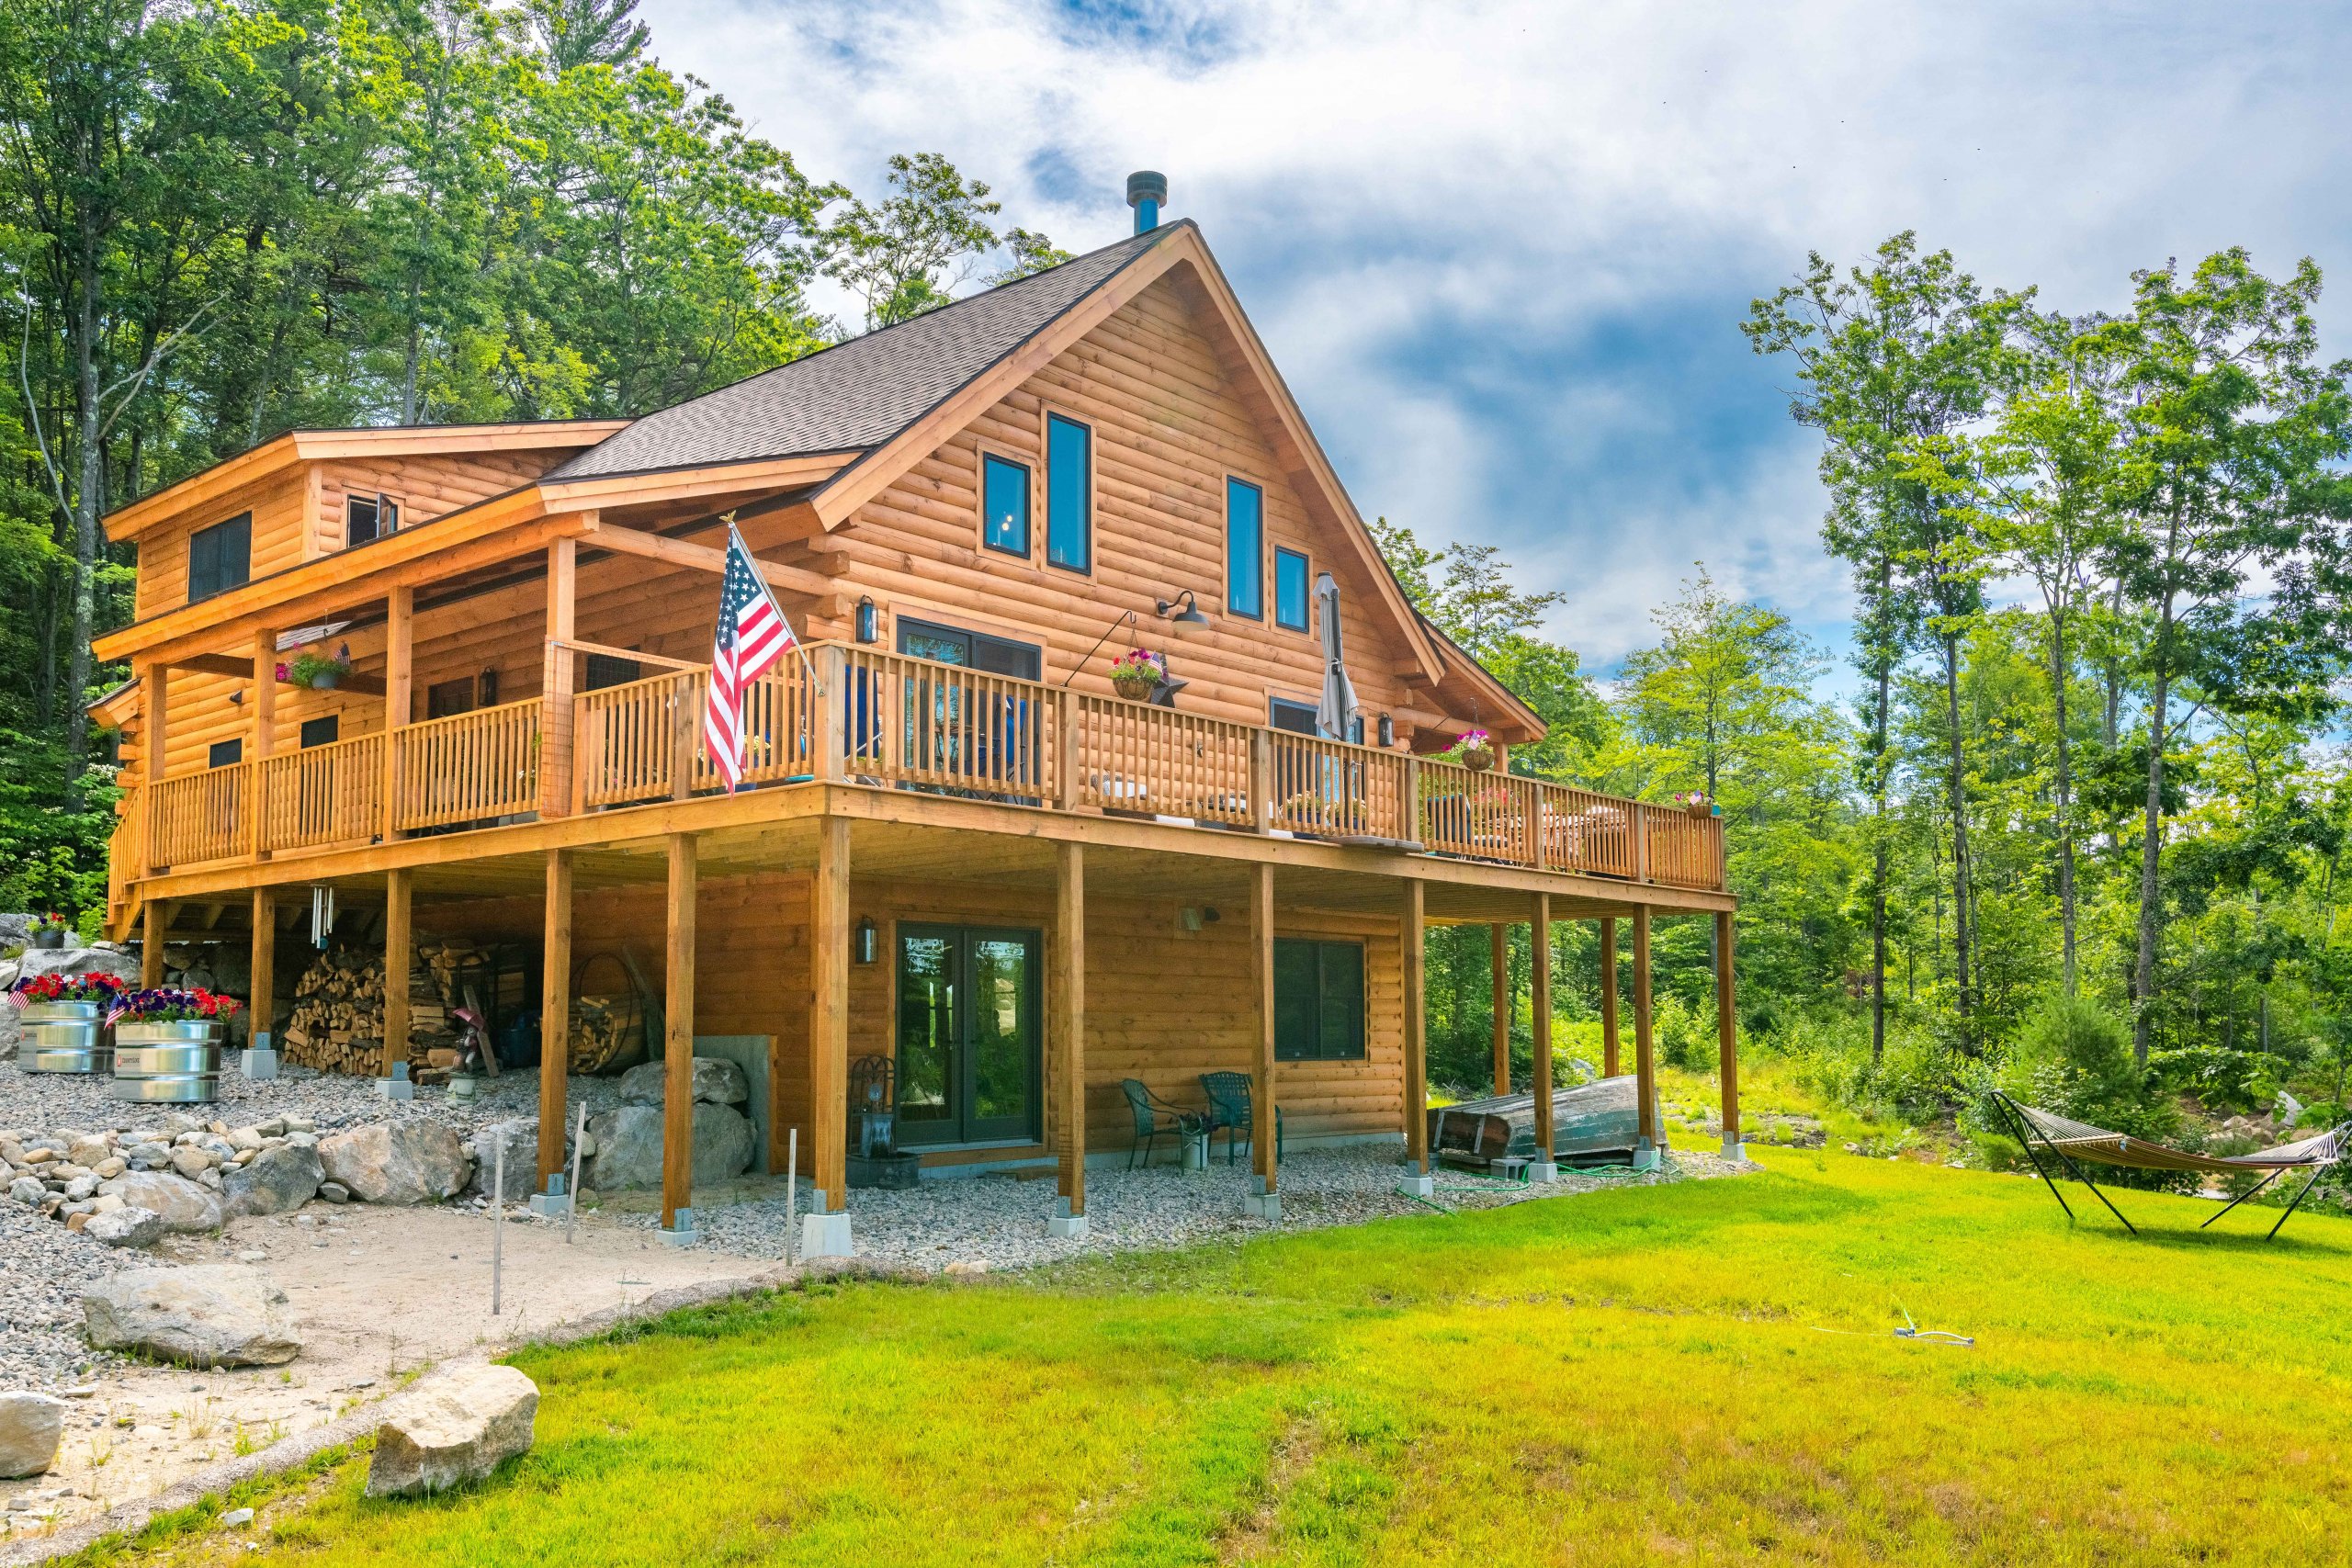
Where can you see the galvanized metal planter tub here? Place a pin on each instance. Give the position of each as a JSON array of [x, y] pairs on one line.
[[64, 1037], [168, 1064]]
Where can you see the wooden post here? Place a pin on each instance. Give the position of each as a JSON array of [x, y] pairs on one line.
[[829, 1010], [1726, 1032], [678, 1042], [1068, 753], [555, 683], [1262, 1149], [156, 694], [1411, 908], [264, 699], [399, 954], [1644, 1056], [1539, 942], [1410, 827], [1498, 960], [830, 724], [686, 724], [261, 993], [151, 947], [1068, 977], [1609, 1067], [555, 1016], [1261, 780], [399, 636]]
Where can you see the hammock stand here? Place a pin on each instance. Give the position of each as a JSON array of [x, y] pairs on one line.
[[2066, 1139]]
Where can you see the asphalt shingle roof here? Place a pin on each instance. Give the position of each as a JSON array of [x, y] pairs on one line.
[[859, 394]]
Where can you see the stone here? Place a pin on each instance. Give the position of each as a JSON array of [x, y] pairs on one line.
[[88, 1152], [37, 961], [521, 1140], [81, 1187], [333, 1192], [180, 1204], [456, 1427], [31, 1425], [28, 1190], [414, 1162], [125, 1226], [213, 1314], [191, 1161], [629, 1145], [243, 1138], [150, 1156], [275, 1181], [235, 1517], [108, 1169], [716, 1080]]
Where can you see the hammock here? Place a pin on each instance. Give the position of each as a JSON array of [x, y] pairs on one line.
[[2070, 1140]]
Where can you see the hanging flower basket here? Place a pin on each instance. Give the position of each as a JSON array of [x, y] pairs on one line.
[[1697, 804], [1136, 674], [1473, 749], [316, 668]]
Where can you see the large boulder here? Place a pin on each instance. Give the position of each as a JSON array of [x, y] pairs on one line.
[[125, 1226], [180, 1204], [37, 960], [520, 1138], [215, 1315], [456, 1427], [627, 1141], [408, 1162], [275, 1181], [31, 1425], [716, 1080]]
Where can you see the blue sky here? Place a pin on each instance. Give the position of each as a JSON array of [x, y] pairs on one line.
[[1500, 251]]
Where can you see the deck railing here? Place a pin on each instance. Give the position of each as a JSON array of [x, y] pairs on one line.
[[890, 720]]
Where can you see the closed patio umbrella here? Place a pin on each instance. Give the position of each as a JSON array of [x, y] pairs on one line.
[[1335, 715]]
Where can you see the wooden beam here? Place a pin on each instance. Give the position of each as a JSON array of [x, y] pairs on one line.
[[399, 642], [155, 681], [829, 1015], [678, 1038], [1726, 1033], [1539, 942], [399, 954], [1410, 919], [1644, 1056], [1498, 962], [703, 558], [1609, 1067], [151, 947], [555, 1016], [261, 997], [221, 664], [556, 764], [1068, 974], [264, 717], [1263, 1145]]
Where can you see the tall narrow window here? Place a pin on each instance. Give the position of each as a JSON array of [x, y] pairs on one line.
[[220, 557], [366, 518], [1069, 493], [1004, 505], [1290, 591], [1245, 549]]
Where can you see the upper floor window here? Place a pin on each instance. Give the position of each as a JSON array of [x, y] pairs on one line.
[[447, 699], [1290, 591], [220, 557], [324, 731], [1245, 549], [1283, 712], [225, 754], [1004, 505], [366, 518], [1069, 493]]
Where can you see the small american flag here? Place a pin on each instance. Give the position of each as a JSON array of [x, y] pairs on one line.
[[753, 635]]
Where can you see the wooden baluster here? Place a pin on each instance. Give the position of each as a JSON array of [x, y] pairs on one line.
[[1066, 749]]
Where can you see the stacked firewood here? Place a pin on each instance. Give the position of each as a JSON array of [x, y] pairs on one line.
[[337, 1023]]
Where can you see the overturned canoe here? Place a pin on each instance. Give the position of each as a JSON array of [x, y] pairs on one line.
[[1594, 1123]]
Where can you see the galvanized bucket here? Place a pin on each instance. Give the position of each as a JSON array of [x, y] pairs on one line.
[[168, 1064], [64, 1037]]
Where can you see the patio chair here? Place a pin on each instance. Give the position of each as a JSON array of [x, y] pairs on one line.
[[1153, 1116], [1232, 1108]]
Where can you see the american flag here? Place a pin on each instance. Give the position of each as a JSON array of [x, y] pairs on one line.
[[753, 635]]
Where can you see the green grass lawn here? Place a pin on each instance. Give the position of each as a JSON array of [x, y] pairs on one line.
[[1699, 1371]]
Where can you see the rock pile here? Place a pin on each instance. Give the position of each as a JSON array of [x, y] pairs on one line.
[[188, 1174], [623, 1148]]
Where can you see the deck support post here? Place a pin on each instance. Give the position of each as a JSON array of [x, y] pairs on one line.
[[1411, 909], [392, 1080], [1068, 976], [1646, 1145], [261, 1000], [1609, 1064], [265, 722], [1265, 1200], [1498, 959], [1545, 1166], [399, 640], [1727, 1036], [155, 711], [678, 1049], [151, 945], [825, 1229], [555, 1023]]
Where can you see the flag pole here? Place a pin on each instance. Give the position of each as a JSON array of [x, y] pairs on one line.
[[799, 648]]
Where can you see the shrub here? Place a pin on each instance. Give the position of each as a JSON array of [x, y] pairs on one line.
[[2074, 1057], [2220, 1079]]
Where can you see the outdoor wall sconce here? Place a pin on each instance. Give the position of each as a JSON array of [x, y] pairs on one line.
[[1188, 616], [1388, 730], [869, 942], [865, 620]]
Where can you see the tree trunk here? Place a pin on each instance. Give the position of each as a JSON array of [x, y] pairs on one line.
[[2066, 794], [1884, 660], [2143, 968], [85, 521], [1958, 789]]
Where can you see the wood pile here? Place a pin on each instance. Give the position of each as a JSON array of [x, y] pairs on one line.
[[337, 1024]]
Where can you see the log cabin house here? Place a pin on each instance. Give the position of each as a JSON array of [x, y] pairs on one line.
[[955, 846]]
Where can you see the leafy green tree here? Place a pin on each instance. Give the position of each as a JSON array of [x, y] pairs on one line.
[[907, 253], [572, 33]]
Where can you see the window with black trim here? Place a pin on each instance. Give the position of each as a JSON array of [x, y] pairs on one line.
[[606, 670], [1319, 1000], [1069, 493], [447, 699], [1298, 718], [1289, 590], [1245, 549], [324, 730], [366, 518], [975, 650], [1004, 505], [220, 557], [225, 754]]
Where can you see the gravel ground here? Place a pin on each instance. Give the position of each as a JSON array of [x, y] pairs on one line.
[[1000, 1223], [43, 1270]]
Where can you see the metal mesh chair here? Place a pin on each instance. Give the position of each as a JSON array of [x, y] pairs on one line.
[[1153, 1116], [1232, 1108]]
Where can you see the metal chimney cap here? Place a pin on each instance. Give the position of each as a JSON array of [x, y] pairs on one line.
[[1147, 185]]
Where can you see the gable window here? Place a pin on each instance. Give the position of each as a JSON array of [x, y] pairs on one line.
[[1004, 505], [366, 518], [225, 754], [322, 731], [1069, 493], [1245, 549], [1319, 1000], [1290, 591], [220, 557]]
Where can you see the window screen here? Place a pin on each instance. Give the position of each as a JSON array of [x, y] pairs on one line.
[[225, 754], [603, 670], [322, 731], [1319, 1000], [220, 557], [366, 518], [1296, 717]]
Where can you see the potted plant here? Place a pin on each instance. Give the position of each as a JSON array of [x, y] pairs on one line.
[[51, 931], [170, 1014], [65, 1015], [1136, 674], [1474, 748], [316, 667], [1696, 804], [167, 1044]]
